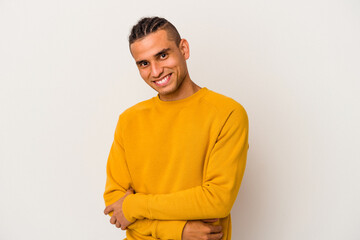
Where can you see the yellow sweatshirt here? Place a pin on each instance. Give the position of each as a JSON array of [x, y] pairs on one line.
[[185, 159]]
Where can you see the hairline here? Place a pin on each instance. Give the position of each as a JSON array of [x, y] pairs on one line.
[[168, 36]]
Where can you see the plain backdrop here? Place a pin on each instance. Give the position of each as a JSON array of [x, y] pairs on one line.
[[66, 74]]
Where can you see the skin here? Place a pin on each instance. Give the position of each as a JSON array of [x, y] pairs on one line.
[[156, 58]]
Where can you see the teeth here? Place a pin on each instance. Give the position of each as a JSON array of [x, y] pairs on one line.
[[163, 80]]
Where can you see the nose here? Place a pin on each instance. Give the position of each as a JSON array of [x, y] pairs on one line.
[[156, 70]]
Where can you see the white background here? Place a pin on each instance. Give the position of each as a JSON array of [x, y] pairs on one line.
[[66, 74]]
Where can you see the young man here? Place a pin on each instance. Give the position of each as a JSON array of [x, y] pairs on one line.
[[177, 159]]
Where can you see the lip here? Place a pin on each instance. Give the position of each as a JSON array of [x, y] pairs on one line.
[[165, 83]]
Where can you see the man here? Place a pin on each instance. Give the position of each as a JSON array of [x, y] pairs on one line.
[[177, 159]]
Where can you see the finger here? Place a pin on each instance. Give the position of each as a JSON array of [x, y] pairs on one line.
[[113, 219], [215, 228], [123, 227], [210, 220], [130, 191], [108, 209], [118, 225], [215, 236]]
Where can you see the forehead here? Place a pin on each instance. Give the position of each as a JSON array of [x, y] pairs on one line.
[[150, 45]]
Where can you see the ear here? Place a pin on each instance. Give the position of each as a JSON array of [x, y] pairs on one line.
[[184, 48]]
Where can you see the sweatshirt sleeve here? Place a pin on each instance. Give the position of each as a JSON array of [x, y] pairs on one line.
[[118, 181], [222, 179]]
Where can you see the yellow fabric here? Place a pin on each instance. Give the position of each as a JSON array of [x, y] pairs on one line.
[[185, 160]]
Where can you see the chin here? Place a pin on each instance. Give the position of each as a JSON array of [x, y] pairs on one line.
[[169, 91], [166, 90]]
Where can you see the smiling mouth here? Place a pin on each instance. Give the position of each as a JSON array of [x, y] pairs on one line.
[[163, 81]]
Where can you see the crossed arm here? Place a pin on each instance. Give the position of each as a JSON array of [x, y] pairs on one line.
[[117, 183], [213, 199]]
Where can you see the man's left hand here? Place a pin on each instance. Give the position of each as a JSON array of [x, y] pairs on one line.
[[118, 217]]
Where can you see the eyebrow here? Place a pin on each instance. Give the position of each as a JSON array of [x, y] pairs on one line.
[[162, 51], [156, 55]]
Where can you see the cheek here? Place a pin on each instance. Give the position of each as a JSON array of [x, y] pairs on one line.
[[144, 74], [180, 66], [172, 63]]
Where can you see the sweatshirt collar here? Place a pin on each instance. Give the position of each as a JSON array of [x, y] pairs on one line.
[[184, 101]]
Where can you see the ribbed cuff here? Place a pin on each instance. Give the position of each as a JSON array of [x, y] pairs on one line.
[[135, 206]]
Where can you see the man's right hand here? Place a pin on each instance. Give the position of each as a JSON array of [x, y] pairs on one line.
[[202, 229]]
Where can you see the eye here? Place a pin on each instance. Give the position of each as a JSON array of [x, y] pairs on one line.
[[163, 55], [143, 64]]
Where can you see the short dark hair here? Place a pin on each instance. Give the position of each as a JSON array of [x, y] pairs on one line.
[[149, 25]]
